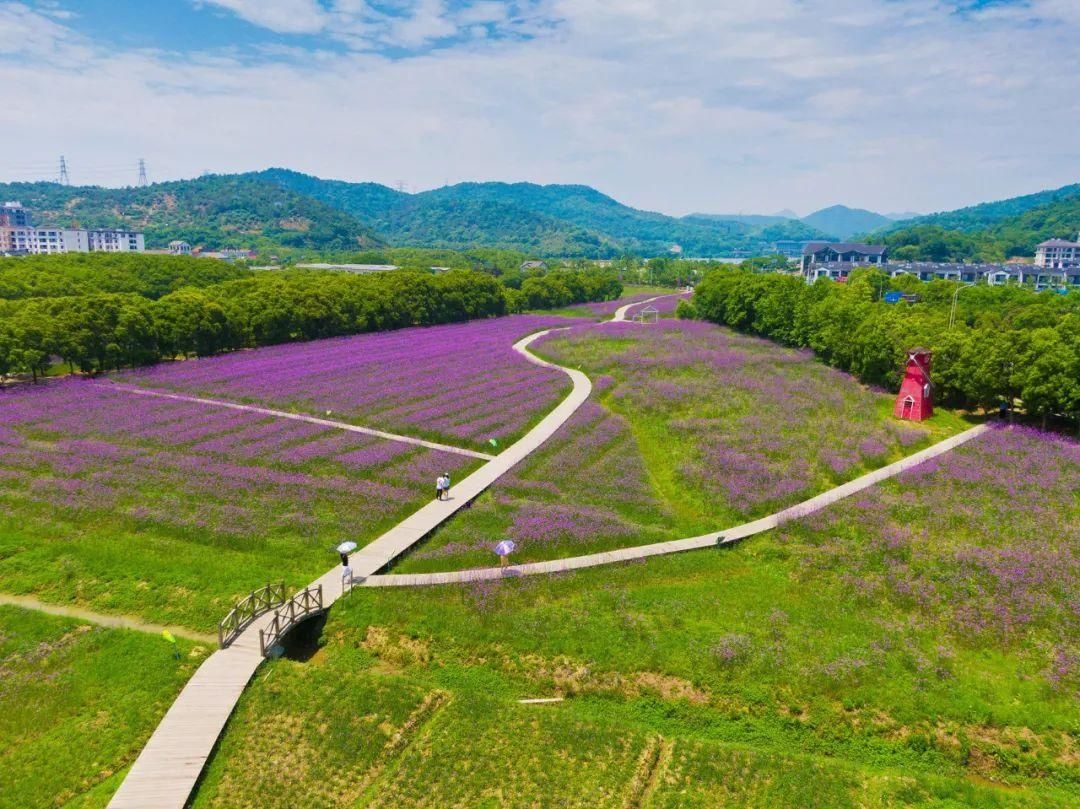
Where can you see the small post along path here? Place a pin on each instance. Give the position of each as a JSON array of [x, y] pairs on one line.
[[167, 769]]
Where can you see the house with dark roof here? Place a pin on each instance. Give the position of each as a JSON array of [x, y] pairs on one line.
[[1058, 254], [836, 259]]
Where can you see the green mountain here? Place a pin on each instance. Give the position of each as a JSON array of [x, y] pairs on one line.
[[211, 212], [568, 220], [990, 214], [843, 222], [993, 231]]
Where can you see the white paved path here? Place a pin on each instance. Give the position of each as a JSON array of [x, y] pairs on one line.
[[166, 770], [284, 414], [621, 312], [679, 545]]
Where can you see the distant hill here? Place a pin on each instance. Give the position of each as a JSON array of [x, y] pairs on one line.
[[568, 220], [211, 212], [989, 214], [843, 222], [762, 220], [993, 231]]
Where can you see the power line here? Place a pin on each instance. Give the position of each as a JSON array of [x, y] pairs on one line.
[[143, 181], [64, 179]]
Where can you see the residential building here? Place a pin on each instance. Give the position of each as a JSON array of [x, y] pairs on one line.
[[179, 248], [13, 214], [993, 274], [1058, 254], [19, 236], [115, 241], [836, 259]]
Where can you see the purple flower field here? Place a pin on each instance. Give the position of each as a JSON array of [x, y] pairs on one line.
[[92, 475], [586, 488], [460, 384], [691, 428], [760, 425], [986, 536]]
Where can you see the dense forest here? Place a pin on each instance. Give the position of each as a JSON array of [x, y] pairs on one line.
[[1008, 344], [99, 312]]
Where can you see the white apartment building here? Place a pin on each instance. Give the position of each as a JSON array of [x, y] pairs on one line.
[[18, 236], [1058, 254]]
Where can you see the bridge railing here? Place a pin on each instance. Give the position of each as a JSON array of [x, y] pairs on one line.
[[301, 606], [248, 609]]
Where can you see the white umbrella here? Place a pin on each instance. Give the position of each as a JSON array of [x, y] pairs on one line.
[[506, 547], [346, 547]]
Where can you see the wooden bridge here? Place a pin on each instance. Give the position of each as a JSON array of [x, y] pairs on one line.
[[300, 607], [241, 616]]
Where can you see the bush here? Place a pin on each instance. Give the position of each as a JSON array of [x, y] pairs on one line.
[[686, 311]]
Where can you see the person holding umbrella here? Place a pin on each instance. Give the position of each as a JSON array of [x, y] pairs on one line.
[[504, 549], [344, 549]]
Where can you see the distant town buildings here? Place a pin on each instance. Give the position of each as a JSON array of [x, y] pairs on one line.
[[992, 274], [835, 260], [20, 237], [1058, 254], [179, 248]]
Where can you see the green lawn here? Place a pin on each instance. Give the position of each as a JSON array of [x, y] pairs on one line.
[[915, 645], [77, 703]]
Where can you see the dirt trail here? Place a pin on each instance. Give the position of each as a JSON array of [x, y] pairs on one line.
[[112, 621]]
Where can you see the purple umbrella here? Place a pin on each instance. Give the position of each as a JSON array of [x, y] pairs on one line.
[[506, 547]]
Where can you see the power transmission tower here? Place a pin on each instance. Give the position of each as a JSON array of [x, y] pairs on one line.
[[143, 181], [64, 179]]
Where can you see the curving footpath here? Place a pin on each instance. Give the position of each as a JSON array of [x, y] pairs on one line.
[[621, 312], [167, 769], [727, 537], [285, 414]]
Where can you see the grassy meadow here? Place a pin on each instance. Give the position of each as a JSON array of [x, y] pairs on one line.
[[914, 646], [77, 703], [691, 428]]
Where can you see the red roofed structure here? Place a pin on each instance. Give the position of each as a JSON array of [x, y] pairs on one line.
[[915, 401]]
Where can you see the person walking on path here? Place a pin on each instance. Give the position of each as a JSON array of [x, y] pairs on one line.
[[446, 485], [346, 573], [440, 485]]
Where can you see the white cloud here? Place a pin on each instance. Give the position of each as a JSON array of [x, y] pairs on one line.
[[675, 105], [283, 16]]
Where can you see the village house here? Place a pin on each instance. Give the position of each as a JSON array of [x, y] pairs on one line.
[[834, 260], [1058, 254]]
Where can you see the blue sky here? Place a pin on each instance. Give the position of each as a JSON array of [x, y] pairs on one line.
[[672, 105]]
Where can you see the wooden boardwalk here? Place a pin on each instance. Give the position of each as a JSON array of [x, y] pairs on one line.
[[168, 767], [725, 537], [284, 414]]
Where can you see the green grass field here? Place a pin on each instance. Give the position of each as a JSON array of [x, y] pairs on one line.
[[77, 703], [857, 658]]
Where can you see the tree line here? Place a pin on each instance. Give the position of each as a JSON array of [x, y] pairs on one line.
[[1006, 346], [103, 325]]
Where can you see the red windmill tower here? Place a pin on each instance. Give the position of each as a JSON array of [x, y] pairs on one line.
[[915, 400]]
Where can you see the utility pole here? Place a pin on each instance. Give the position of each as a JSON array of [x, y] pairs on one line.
[[64, 179], [143, 181]]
